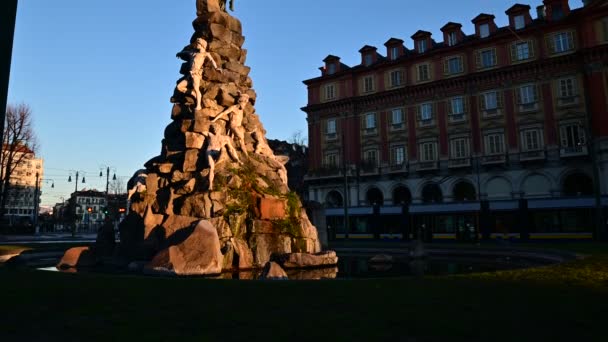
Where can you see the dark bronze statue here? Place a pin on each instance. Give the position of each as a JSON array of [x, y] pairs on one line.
[[223, 5]]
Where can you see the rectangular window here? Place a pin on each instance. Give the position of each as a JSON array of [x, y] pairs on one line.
[[330, 92], [459, 148], [331, 126], [453, 65], [484, 30], [528, 94], [531, 140], [370, 120], [371, 157], [519, 22], [487, 58], [426, 111], [567, 87], [396, 78], [394, 53], [495, 144], [423, 72], [562, 42], [398, 155], [397, 116], [572, 136], [428, 151], [368, 84], [457, 106], [520, 51], [490, 101], [421, 46], [452, 38], [331, 160], [368, 59]]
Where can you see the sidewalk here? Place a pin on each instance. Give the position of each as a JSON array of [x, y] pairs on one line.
[[47, 238]]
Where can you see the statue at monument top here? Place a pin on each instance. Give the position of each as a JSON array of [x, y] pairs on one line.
[[203, 6], [223, 5]]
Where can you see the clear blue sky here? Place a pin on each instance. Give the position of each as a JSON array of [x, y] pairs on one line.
[[98, 74]]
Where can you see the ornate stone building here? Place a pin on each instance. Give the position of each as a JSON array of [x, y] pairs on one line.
[[21, 202], [468, 131]]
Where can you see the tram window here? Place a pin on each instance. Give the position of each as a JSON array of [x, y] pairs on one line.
[[446, 224], [545, 222], [576, 220]]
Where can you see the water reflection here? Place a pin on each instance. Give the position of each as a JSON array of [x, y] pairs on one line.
[[364, 266], [360, 266]]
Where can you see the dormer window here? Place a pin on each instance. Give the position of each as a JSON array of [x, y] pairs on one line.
[[452, 38], [368, 60], [421, 46], [557, 12], [484, 30], [519, 22], [331, 69], [394, 53]]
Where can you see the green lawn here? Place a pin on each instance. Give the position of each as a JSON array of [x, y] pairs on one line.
[[567, 302]]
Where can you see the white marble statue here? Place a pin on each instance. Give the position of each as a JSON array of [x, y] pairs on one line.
[[262, 148], [197, 58], [235, 119], [216, 142]]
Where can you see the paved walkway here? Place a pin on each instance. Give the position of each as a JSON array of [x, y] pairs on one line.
[[46, 238]]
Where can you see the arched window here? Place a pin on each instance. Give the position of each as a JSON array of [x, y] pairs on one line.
[[577, 184], [401, 195], [374, 197], [431, 193], [334, 199], [464, 191]]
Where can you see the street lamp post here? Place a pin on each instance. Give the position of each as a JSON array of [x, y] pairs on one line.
[[108, 186], [75, 195], [37, 195]]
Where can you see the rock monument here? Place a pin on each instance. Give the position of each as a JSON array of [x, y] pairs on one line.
[[216, 197]]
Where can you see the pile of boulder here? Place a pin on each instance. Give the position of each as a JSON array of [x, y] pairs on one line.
[[216, 197]]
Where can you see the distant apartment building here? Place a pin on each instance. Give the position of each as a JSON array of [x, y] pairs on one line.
[[21, 202], [500, 129], [88, 206]]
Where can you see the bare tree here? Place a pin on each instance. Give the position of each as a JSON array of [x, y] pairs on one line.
[[20, 144], [298, 138], [117, 186]]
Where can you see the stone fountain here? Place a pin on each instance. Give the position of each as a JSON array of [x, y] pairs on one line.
[[216, 197]]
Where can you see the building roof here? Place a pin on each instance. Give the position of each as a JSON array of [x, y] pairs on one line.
[[518, 8]]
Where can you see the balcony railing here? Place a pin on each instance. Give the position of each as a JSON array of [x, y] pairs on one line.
[[368, 168], [461, 117], [370, 131], [395, 168], [532, 155], [331, 136], [493, 159], [491, 112], [428, 165], [528, 107], [426, 123], [573, 151], [459, 162], [397, 126], [568, 101], [323, 172]]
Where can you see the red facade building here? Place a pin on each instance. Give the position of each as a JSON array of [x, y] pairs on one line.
[[470, 130]]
